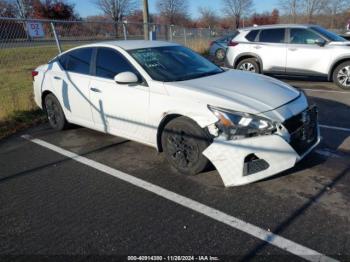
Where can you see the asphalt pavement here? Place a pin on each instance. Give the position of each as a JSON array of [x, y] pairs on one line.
[[78, 193]]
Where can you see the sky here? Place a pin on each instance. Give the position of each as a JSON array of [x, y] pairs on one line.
[[88, 8]]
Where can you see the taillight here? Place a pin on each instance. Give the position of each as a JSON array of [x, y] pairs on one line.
[[232, 43], [34, 74]]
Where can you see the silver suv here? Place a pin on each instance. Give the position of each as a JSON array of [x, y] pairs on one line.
[[291, 50]]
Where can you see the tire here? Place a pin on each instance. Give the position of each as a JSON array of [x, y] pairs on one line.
[[250, 65], [341, 75], [54, 113], [220, 54], [183, 142]]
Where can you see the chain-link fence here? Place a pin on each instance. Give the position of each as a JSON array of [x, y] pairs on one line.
[[20, 53], [25, 44]]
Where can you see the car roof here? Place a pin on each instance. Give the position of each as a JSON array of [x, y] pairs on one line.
[[132, 44], [277, 26]]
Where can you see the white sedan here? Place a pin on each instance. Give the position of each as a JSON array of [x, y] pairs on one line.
[[164, 95]]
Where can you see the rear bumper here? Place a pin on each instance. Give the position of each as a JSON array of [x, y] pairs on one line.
[[229, 157]]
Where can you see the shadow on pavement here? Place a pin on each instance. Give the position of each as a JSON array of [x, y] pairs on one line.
[[291, 219], [332, 113], [23, 173], [336, 114]]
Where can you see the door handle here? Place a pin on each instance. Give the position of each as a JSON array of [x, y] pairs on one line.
[[293, 49], [57, 78], [96, 90]]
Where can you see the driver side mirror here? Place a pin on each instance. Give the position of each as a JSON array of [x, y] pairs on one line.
[[320, 42], [126, 78]]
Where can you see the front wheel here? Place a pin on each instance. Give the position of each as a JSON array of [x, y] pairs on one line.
[[341, 75], [183, 142], [249, 65]]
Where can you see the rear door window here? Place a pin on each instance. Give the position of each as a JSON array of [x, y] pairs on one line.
[[272, 35], [78, 61]]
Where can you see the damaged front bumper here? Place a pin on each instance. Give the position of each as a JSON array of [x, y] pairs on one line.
[[240, 162]]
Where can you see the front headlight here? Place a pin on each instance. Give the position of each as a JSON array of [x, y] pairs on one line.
[[237, 125]]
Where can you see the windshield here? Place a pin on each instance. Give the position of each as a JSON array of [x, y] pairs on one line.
[[174, 63], [329, 35]]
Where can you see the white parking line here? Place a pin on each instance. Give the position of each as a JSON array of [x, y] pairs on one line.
[[325, 91], [271, 238], [335, 128]]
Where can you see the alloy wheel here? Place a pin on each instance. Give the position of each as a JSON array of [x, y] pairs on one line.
[[220, 54], [247, 67], [182, 150], [343, 76]]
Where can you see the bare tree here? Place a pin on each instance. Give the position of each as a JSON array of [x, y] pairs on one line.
[[237, 9], [117, 10], [207, 17], [7, 9], [291, 7], [312, 7], [24, 8], [335, 7], [172, 10]]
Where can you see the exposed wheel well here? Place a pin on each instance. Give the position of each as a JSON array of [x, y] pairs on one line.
[[161, 127], [330, 75], [43, 95], [247, 57]]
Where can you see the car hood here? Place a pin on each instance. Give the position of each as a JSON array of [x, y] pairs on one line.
[[236, 90], [344, 43]]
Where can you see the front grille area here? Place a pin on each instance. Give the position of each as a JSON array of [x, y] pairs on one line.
[[303, 130], [253, 165]]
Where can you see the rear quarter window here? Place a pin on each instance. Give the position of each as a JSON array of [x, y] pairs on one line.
[[63, 61], [251, 36]]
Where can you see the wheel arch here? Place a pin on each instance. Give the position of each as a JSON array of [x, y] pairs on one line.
[[166, 119], [202, 123], [43, 95], [335, 64], [243, 56]]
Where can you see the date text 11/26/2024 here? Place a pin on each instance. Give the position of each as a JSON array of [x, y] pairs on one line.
[[173, 258]]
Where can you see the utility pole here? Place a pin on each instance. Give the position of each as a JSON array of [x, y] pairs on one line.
[[145, 19]]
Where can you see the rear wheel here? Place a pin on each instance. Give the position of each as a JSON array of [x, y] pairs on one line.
[[183, 142], [54, 113], [341, 75], [249, 64]]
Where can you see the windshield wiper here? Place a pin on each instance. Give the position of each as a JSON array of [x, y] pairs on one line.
[[209, 74], [190, 77]]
